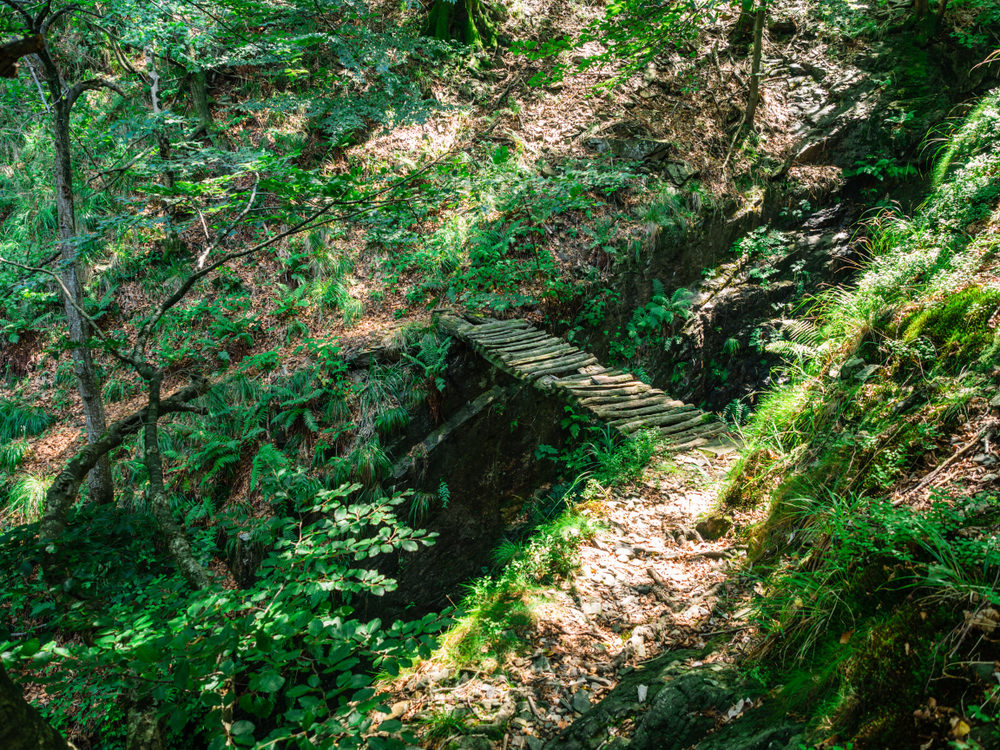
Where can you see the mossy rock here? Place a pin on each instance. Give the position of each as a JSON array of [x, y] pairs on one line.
[[887, 675], [958, 325], [714, 526]]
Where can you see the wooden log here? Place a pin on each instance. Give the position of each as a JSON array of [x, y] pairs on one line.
[[679, 427], [496, 349], [658, 411], [501, 325], [524, 346], [543, 355], [611, 379], [675, 416], [696, 437], [585, 388], [610, 395], [573, 363], [632, 409], [508, 338]]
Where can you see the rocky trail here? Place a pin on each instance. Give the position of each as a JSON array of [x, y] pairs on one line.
[[655, 582]]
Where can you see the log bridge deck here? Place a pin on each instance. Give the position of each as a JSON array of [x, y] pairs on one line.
[[611, 396]]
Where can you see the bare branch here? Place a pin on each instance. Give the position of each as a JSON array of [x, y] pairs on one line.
[[232, 225]]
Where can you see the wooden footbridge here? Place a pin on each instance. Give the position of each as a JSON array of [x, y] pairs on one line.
[[612, 396]]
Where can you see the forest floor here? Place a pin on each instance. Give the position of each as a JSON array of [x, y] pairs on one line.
[[648, 583]]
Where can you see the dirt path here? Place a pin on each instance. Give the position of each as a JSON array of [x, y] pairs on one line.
[[648, 582]]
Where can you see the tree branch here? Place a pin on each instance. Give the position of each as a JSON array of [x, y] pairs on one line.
[[11, 52], [177, 541], [112, 348], [64, 489], [307, 223], [28, 20], [91, 84]]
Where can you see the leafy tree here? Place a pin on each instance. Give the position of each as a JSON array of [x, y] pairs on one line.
[[633, 33], [34, 21]]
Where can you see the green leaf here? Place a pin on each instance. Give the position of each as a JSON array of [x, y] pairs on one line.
[[242, 727], [271, 682]]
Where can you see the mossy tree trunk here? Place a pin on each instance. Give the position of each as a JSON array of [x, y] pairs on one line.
[[744, 24], [473, 22], [21, 726]]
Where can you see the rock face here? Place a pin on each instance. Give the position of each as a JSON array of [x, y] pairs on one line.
[[685, 713], [677, 717], [838, 116]]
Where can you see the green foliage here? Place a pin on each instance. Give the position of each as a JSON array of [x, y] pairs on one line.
[[19, 421], [881, 169], [474, 233], [652, 323], [25, 499], [431, 356], [956, 327], [496, 611], [623, 463], [631, 34], [878, 375], [291, 660], [11, 455]]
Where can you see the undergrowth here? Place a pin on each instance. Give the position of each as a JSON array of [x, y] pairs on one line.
[[873, 606], [498, 610]]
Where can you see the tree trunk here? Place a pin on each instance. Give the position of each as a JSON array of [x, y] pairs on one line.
[[470, 21], [199, 97], [939, 16], [172, 242], [21, 726], [745, 23], [99, 481], [753, 99], [177, 541], [920, 8], [63, 490]]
